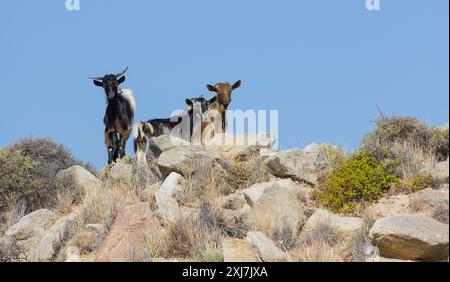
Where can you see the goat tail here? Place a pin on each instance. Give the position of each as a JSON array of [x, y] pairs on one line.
[[128, 95], [142, 131]]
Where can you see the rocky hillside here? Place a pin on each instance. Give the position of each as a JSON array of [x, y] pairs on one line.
[[241, 204]]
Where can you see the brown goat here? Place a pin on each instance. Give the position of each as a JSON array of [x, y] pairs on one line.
[[218, 106]]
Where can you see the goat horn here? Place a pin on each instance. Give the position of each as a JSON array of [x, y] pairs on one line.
[[122, 73], [96, 78]]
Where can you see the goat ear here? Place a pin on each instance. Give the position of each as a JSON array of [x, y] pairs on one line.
[[98, 83], [211, 88], [189, 102], [121, 79], [237, 84]]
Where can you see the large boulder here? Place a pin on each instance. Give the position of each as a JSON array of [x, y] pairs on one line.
[[266, 248], [234, 144], [391, 205], [166, 203], [253, 193], [302, 165], [158, 145], [411, 237], [178, 159], [55, 237], [277, 206], [31, 225], [77, 179], [121, 171], [440, 171], [430, 199], [126, 238], [345, 225], [236, 250]]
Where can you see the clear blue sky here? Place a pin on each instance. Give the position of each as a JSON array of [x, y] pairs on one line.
[[324, 65]]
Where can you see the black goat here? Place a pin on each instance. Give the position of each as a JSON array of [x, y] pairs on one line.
[[119, 115]]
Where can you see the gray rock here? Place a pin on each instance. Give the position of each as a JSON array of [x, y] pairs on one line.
[[167, 205], [98, 234], [233, 145], [121, 171], [428, 200], [344, 224], [54, 238], [234, 201], [77, 179], [301, 165], [163, 143], [411, 237], [236, 250], [32, 224], [278, 206], [253, 193], [266, 248], [178, 159], [72, 254]]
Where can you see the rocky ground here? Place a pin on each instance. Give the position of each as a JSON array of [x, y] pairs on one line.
[[267, 213]]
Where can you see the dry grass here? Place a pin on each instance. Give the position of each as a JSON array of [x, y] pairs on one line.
[[282, 232], [64, 201], [209, 254], [13, 215], [205, 180], [155, 242], [319, 245], [250, 169], [361, 241], [198, 237], [85, 240], [11, 251], [318, 252]]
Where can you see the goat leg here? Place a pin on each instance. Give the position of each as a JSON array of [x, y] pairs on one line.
[[123, 141]]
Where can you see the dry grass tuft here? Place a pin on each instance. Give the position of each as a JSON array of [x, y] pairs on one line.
[[282, 232], [319, 245], [198, 237], [205, 180], [361, 242], [64, 201], [250, 169]]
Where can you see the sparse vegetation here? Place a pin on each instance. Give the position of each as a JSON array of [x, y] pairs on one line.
[[27, 175], [250, 169], [319, 245], [360, 179], [361, 241], [439, 142], [205, 180], [403, 129], [16, 182]]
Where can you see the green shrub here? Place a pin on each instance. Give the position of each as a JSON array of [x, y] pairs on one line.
[[360, 179], [48, 158], [422, 181], [439, 142], [15, 181]]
